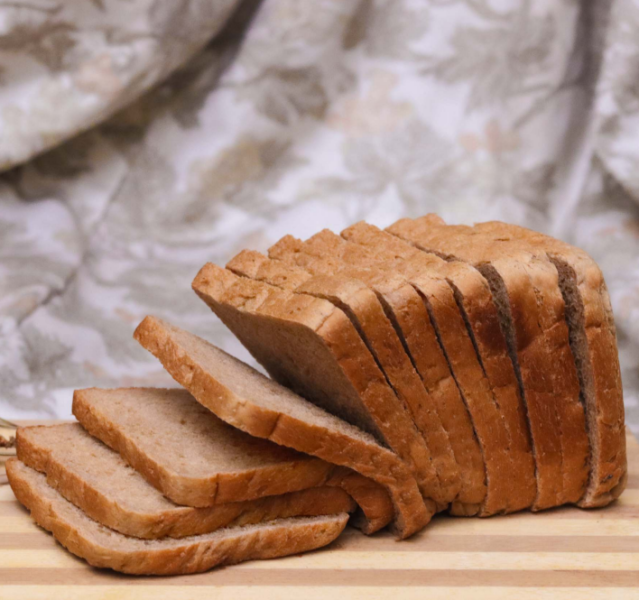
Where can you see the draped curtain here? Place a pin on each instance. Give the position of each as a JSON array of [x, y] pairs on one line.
[[140, 139]]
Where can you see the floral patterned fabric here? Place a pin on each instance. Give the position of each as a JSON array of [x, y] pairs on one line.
[[140, 139]]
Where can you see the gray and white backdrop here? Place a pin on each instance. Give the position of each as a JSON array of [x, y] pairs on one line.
[[139, 139]]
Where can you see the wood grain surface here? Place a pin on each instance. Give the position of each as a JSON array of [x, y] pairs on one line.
[[565, 553]]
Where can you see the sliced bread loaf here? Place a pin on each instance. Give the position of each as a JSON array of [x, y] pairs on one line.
[[367, 314], [594, 346], [249, 401], [185, 451], [526, 290], [102, 547], [100, 482], [457, 345]]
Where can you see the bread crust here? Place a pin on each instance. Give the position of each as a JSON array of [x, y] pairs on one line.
[[335, 446], [93, 498], [103, 548], [475, 390], [367, 314], [545, 360]]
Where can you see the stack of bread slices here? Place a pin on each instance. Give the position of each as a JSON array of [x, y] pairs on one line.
[[420, 369]]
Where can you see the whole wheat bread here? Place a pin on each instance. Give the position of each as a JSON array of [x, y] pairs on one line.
[[250, 401], [526, 290], [194, 458], [185, 451], [503, 494], [366, 312], [100, 482], [102, 547]]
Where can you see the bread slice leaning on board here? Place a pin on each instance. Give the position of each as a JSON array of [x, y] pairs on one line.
[[102, 547], [416, 369]]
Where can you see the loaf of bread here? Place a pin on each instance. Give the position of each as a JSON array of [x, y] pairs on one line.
[[421, 368]]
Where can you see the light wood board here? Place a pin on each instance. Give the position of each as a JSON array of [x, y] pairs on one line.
[[565, 553]]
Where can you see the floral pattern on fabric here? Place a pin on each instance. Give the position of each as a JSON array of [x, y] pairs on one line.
[[139, 140]]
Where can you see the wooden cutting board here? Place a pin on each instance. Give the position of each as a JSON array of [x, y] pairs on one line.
[[566, 553]]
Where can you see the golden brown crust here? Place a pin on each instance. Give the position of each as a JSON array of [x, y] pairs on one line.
[[475, 390], [177, 521], [106, 549], [545, 359], [473, 295], [369, 459], [376, 508], [413, 320], [252, 264]]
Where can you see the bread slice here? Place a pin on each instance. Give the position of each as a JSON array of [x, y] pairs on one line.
[[409, 316], [367, 314], [526, 290], [259, 406], [456, 343], [593, 341], [474, 299], [196, 459], [100, 482], [185, 451], [102, 547]]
